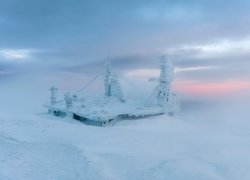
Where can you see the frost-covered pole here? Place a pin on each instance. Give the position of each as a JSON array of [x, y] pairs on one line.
[[115, 87], [53, 95], [166, 77], [107, 77], [167, 70], [68, 100], [163, 95]]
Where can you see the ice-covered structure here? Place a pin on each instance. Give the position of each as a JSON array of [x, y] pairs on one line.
[[163, 95], [113, 106], [112, 85]]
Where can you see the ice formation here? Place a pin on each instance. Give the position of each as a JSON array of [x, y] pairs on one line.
[[163, 95], [113, 105]]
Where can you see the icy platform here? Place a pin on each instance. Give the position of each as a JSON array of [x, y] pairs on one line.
[[104, 112]]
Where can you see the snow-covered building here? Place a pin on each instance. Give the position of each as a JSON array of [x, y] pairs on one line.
[[114, 106]]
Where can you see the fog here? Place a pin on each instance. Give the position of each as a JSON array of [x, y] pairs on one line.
[[29, 92], [208, 138]]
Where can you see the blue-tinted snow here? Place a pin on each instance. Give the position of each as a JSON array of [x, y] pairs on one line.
[[205, 141]]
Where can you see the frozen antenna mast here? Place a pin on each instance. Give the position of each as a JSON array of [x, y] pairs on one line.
[[68, 100], [162, 95], [165, 80], [111, 81], [107, 78], [53, 96]]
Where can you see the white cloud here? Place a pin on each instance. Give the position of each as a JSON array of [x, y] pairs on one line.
[[16, 54], [220, 48], [150, 73], [195, 68], [143, 73]]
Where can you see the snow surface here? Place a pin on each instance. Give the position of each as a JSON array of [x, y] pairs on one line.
[[203, 142]]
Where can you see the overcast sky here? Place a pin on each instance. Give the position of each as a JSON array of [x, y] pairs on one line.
[[208, 40]]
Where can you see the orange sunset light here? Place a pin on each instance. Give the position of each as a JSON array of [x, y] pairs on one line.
[[211, 89]]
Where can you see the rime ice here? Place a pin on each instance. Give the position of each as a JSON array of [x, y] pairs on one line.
[[114, 106]]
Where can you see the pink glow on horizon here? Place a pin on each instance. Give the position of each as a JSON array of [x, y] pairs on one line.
[[211, 89]]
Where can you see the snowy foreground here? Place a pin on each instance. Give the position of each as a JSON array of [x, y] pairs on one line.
[[39, 147], [202, 142]]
